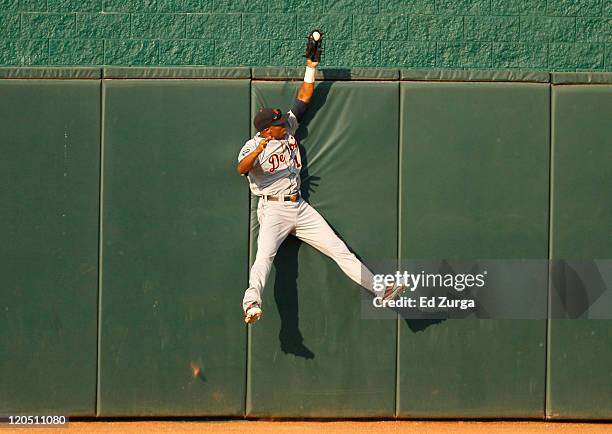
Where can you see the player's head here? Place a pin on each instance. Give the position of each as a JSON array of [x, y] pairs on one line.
[[271, 123]]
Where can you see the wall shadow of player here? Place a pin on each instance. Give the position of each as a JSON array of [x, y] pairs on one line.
[[310, 181], [286, 259], [420, 325], [445, 268], [286, 298]]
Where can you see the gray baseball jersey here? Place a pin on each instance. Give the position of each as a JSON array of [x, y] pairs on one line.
[[277, 169]]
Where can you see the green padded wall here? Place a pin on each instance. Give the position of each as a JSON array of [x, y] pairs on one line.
[[473, 163], [580, 378], [474, 185], [175, 250], [49, 178], [312, 355]]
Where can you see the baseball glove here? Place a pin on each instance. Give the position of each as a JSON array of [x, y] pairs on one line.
[[313, 46]]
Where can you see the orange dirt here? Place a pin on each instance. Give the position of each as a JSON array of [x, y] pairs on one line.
[[302, 427]]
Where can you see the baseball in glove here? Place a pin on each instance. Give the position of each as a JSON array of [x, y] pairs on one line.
[[313, 46]]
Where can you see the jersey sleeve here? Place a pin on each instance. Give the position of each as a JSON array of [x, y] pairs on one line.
[[246, 149], [292, 123], [295, 116]]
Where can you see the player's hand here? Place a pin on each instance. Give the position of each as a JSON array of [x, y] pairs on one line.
[[311, 63], [263, 143]]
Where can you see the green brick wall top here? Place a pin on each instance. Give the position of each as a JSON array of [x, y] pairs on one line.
[[297, 74], [581, 78], [48, 73], [177, 72], [473, 75], [553, 35], [327, 74]]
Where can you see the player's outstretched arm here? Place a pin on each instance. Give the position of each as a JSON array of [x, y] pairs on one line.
[[313, 57], [307, 89]]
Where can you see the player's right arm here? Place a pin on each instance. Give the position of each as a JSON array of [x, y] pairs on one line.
[[246, 161]]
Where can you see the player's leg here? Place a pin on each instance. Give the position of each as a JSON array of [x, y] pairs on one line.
[[312, 228], [275, 222]]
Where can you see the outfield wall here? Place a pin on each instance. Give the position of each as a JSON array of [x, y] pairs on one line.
[[128, 238], [551, 35]]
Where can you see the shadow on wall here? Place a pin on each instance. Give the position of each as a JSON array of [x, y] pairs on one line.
[[286, 260], [310, 182], [286, 298], [287, 302]]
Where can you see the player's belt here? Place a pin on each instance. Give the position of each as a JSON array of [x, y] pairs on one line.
[[282, 198]]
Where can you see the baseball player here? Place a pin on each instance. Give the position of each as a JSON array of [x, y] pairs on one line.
[[271, 161]]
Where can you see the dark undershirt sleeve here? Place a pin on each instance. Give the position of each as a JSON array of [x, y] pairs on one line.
[[299, 108]]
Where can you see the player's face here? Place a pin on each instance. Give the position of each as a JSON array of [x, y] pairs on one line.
[[276, 132]]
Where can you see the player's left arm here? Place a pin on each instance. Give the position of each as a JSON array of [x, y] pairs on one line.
[[307, 89], [313, 57], [300, 105]]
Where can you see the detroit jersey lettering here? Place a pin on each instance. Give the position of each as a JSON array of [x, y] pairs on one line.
[[277, 169]]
